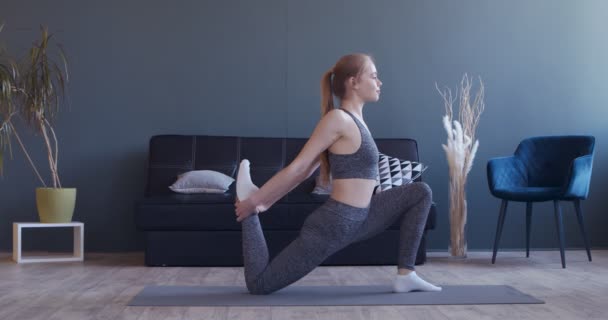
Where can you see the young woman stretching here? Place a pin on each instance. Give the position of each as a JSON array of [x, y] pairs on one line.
[[343, 146]]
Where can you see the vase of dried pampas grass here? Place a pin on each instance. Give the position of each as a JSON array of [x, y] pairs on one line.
[[460, 151]]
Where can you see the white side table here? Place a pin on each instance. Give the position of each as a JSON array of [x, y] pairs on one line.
[[78, 242]]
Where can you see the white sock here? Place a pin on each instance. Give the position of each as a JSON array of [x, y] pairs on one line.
[[412, 282], [244, 186]]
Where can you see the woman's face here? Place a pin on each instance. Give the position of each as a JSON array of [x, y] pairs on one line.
[[368, 85]]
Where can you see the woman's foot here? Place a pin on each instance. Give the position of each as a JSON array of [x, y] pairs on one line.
[[412, 282], [244, 186]]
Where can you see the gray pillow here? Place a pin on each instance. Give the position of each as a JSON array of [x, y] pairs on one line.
[[202, 181]]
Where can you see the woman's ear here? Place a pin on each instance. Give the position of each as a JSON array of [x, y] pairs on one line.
[[352, 82]]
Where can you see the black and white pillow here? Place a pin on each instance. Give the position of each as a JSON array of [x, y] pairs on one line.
[[394, 172]]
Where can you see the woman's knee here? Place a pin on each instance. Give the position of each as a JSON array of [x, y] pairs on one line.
[[423, 189]]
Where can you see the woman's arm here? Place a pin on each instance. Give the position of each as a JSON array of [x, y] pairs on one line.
[[328, 131], [275, 188]]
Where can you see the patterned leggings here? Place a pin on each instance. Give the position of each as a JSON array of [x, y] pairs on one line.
[[331, 227]]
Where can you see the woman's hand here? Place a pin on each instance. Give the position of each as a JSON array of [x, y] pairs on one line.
[[244, 209]]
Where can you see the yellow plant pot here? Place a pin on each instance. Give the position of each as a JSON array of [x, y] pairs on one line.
[[55, 205]]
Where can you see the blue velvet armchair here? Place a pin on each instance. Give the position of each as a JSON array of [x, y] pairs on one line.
[[550, 168]]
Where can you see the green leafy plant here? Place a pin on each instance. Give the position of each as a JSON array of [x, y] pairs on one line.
[[30, 91]]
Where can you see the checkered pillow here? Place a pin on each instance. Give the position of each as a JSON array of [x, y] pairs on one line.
[[395, 172]]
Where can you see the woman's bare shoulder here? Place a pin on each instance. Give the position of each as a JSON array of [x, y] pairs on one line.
[[330, 128], [336, 118]]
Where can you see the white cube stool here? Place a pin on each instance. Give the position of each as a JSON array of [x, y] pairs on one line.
[[78, 254]]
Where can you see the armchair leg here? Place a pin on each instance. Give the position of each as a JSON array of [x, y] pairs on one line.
[[579, 215], [501, 221], [528, 223], [560, 231]]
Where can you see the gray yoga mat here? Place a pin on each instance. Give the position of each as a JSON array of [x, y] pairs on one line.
[[327, 296]]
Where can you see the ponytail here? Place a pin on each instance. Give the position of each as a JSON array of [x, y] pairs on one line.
[[332, 84], [327, 104]]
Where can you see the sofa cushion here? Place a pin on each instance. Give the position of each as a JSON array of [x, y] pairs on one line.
[[171, 155], [214, 216], [208, 213], [179, 199]]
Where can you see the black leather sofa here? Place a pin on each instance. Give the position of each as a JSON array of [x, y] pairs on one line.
[[201, 230]]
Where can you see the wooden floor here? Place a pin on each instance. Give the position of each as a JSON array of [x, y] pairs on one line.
[[101, 287]]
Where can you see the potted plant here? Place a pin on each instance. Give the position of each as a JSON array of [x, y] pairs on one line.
[[30, 91]]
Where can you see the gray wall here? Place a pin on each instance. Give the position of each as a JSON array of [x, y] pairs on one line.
[[252, 68]]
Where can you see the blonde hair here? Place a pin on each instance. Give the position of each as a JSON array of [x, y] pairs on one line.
[[333, 84]]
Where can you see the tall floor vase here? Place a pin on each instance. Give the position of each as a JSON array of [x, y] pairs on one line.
[[458, 219]]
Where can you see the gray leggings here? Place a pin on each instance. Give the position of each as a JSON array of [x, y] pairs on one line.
[[331, 227]]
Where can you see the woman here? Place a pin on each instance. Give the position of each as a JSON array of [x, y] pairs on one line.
[[343, 146]]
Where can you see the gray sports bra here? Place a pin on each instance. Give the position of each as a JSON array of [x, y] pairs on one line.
[[362, 164]]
